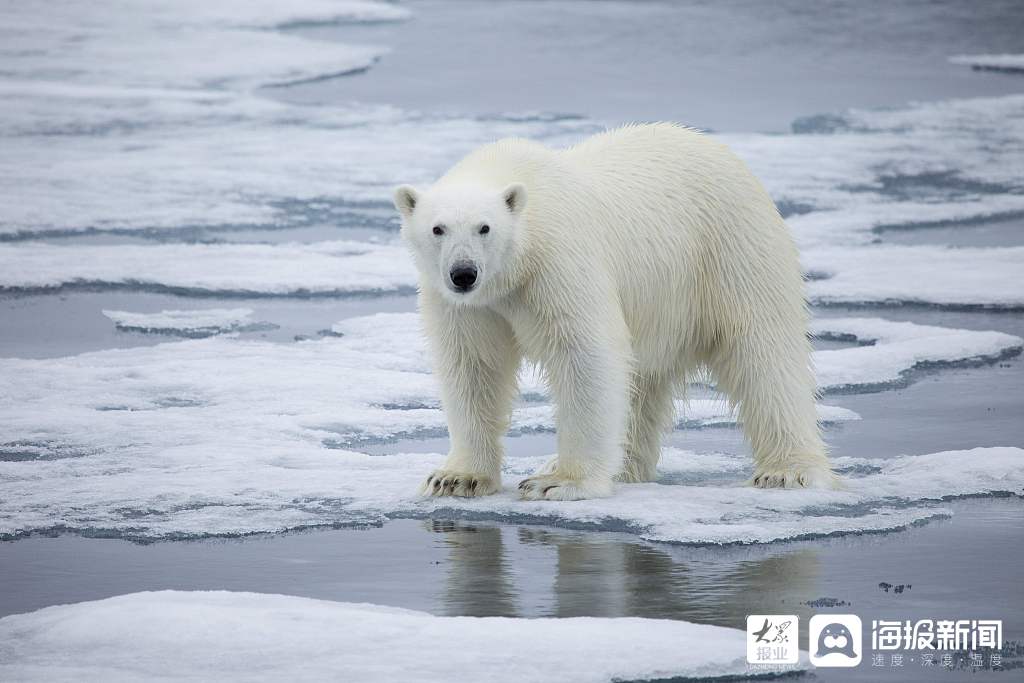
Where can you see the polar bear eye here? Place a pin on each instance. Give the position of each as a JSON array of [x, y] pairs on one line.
[[438, 229], [484, 229]]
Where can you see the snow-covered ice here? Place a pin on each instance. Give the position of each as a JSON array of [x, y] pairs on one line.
[[934, 275], [165, 122], [1003, 62], [336, 267], [172, 134], [80, 158], [889, 350], [853, 172], [173, 158], [225, 488], [274, 637], [119, 117], [191, 323], [188, 44], [149, 122], [228, 436]]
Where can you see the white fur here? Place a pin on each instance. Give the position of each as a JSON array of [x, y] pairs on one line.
[[623, 266]]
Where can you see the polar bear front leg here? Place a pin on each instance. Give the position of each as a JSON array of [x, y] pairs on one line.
[[650, 415], [476, 359], [588, 370]]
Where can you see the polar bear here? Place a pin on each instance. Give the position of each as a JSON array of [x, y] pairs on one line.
[[623, 266]]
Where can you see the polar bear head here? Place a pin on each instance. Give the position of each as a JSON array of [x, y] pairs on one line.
[[464, 238]]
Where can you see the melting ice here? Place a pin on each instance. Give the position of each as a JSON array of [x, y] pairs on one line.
[[228, 436]]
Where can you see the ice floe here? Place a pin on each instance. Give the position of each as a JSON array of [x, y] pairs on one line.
[[1003, 62], [149, 121], [89, 158], [274, 637], [188, 44], [193, 323], [337, 267], [173, 159], [119, 117], [925, 163], [876, 274], [228, 436], [121, 120], [890, 350], [934, 275], [691, 504]]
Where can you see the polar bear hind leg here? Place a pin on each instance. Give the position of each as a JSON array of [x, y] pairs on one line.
[[773, 384]]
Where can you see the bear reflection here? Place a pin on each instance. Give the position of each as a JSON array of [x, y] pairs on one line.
[[490, 568]]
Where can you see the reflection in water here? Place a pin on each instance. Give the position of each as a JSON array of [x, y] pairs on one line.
[[478, 582], [602, 575]]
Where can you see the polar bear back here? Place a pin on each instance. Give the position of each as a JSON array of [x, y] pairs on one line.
[[663, 218]]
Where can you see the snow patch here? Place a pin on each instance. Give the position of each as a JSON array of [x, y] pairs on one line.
[[335, 268], [274, 637], [168, 102], [188, 44], [932, 275], [891, 350], [164, 102], [192, 323], [229, 436], [878, 274]]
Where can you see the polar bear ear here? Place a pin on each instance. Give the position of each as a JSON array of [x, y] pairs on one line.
[[515, 198], [405, 198]]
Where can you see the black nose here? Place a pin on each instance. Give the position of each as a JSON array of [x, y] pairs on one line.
[[463, 276]]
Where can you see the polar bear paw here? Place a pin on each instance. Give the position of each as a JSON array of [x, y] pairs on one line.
[[464, 484], [553, 486], [795, 477]]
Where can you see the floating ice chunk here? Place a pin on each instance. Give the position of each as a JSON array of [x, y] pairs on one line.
[[161, 100], [939, 276], [184, 44], [285, 637], [892, 349], [194, 323], [895, 348], [273, 14], [963, 118], [174, 159], [340, 267], [200, 319], [1003, 62], [215, 158], [396, 339], [900, 491], [965, 277], [859, 227], [226, 436], [963, 151], [166, 100], [230, 488]]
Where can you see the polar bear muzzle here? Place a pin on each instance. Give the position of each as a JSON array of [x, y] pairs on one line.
[[463, 276]]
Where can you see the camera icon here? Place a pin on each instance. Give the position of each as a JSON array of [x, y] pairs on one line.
[[834, 640]]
